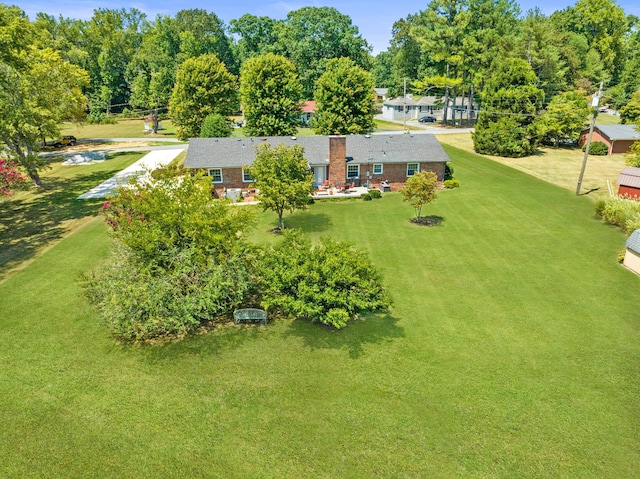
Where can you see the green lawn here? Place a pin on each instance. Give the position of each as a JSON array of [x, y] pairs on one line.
[[124, 128], [512, 351], [32, 220]]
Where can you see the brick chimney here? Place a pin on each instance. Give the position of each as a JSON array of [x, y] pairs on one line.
[[337, 159]]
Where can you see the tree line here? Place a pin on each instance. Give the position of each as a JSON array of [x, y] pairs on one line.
[[451, 49]]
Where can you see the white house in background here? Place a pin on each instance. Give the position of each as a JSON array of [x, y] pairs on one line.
[[381, 93], [412, 108]]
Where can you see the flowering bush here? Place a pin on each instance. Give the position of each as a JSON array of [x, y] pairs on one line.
[[10, 177]]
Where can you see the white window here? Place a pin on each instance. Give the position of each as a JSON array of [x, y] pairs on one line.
[[215, 174], [353, 171], [246, 177], [412, 169], [377, 169]]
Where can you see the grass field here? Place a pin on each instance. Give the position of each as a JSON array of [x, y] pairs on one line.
[[32, 220], [560, 166], [512, 351], [131, 128]]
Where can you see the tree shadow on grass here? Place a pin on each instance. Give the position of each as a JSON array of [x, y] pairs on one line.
[[308, 222], [29, 224], [213, 342], [371, 329]]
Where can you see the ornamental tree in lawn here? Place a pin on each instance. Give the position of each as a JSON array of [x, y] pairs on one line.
[[282, 175], [420, 190], [203, 87], [344, 98], [271, 95]]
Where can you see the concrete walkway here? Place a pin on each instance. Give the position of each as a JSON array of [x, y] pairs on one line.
[[151, 161]]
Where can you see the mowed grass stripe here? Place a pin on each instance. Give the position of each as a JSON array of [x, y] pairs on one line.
[[511, 351]]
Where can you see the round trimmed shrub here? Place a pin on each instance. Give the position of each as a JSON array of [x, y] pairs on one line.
[[597, 148], [366, 196], [452, 183], [375, 194]]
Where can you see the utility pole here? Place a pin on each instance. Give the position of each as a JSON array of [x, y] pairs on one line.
[[404, 106], [595, 103]]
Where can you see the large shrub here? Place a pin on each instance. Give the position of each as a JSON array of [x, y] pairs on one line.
[[622, 212], [139, 301], [597, 148], [215, 126], [178, 259], [331, 283]]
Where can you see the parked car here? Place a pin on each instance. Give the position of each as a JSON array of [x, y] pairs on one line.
[[68, 140], [427, 119]]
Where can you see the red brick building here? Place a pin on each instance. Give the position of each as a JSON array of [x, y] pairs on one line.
[[360, 159], [618, 138], [629, 182]]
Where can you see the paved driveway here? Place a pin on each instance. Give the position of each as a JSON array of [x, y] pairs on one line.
[[155, 159]]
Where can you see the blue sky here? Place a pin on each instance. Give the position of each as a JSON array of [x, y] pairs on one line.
[[373, 18]]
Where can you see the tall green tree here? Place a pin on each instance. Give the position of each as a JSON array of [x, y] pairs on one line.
[[271, 95], [630, 113], [256, 35], [441, 33], [38, 90], [203, 86], [537, 44], [344, 99], [311, 36], [111, 39], [564, 118], [510, 102], [282, 175]]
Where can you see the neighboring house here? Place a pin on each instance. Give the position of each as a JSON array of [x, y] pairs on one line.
[[362, 159], [632, 253], [629, 182], [381, 93], [412, 108], [618, 138], [308, 111]]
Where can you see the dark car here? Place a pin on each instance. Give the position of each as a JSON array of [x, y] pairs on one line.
[[427, 119], [68, 140]]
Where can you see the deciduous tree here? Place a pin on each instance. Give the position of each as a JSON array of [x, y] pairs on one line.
[[282, 175], [203, 86], [420, 190], [35, 98], [344, 99], [271, 95], [564, 118], [311, 36]]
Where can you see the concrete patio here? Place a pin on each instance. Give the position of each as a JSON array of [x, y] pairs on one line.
[[334, 193]]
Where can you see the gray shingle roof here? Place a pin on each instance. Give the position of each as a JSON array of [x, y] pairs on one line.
[[362, 149], [619, 132], [633, 242]]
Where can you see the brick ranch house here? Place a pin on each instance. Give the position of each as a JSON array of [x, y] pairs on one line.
[[361, 159], [618, 138]]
